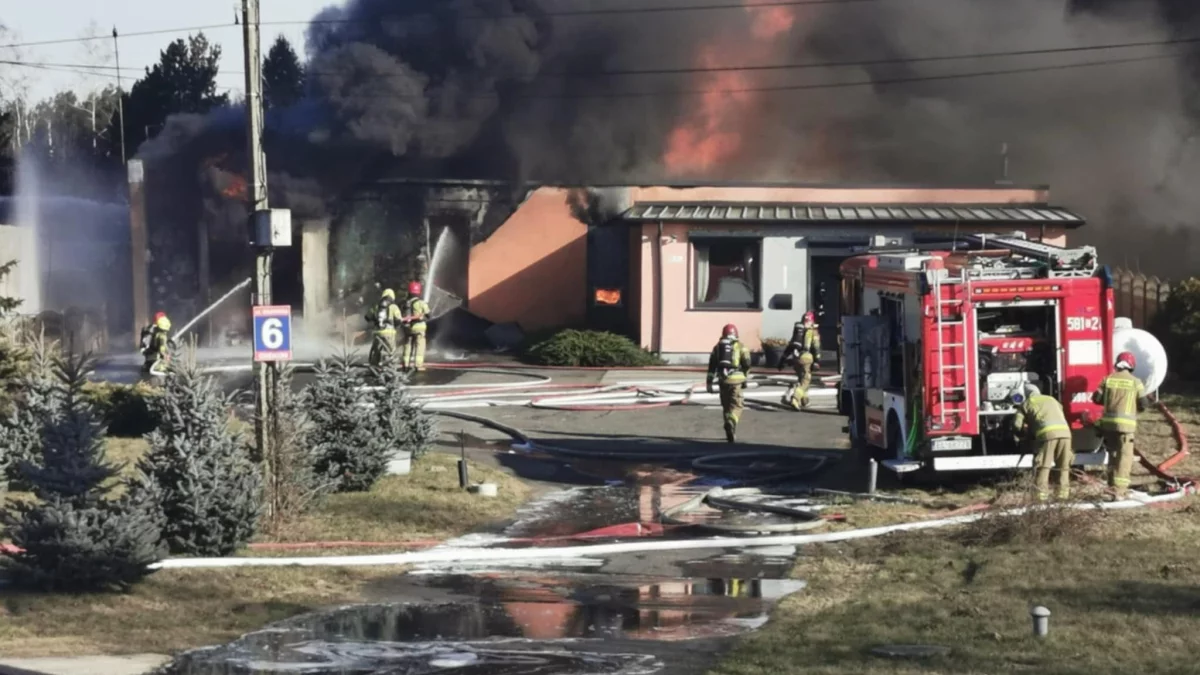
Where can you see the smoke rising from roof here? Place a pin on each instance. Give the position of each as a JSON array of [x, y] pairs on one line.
[[433, 88]]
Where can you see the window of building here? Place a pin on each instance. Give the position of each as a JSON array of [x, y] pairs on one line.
[[727, 273]]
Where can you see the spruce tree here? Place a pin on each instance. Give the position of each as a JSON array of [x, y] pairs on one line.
[[291, 484], [198, 469], [349, 451], [38, 401], [401, 424], [73, 536]]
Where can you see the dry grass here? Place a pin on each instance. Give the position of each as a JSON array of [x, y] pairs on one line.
[[175, 610], [1124, 587], [1124, 600], [172, 610], [426, 504]]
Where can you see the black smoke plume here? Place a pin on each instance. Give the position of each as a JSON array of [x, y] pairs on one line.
[[513, 90]]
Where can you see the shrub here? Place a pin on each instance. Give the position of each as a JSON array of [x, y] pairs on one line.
[[402, 426], [290, 481], [125, 408], [589, 349], [349, 451], [1178, 326], [38, 401], [198, 470], [73, 536]]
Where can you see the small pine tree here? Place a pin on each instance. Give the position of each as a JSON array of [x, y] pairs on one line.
[[74, 537], [402, 425], [349, 450], [38, 402], [198, 469], [291, 484]]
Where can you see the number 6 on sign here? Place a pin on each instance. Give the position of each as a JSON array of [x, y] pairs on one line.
[[272, 333]]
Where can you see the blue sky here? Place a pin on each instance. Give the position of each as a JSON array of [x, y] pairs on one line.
[[44, 20]]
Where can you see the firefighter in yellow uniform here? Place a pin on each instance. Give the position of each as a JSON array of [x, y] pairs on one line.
[[1123, 396], [1042, 418], [384, 317], [155, 345], [416, 311], [729, 365], [804, 352]]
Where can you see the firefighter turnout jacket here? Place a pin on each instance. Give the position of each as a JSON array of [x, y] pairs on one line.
[[1045, 417], [729, 362], [385, 316], [1123, 396], [415, 313], [807, 342]]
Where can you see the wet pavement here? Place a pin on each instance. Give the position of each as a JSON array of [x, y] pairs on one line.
[[521, 623]]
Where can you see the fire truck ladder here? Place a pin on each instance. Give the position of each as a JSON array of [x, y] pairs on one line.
[[955, 346], [1062, 262]]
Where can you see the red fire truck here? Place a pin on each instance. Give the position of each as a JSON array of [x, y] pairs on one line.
[[937, 347]]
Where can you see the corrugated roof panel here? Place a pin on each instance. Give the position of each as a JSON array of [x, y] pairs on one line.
[[816, 212], [865, 213], [669, 211], [801, 213], [962, 214], [900, 214], [1049, 214], [1029, 213], [939, 213], [688, 211], [934, 214], [880, 213], [1068, 215], [1012, 214], [984, 214], [783, 212]]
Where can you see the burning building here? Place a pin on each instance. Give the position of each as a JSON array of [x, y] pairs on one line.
[[424, 118]]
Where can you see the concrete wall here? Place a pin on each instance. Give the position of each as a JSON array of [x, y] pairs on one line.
[[314, 260], [18, 243], [533, 269]]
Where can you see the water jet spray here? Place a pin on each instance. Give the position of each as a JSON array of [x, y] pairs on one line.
[[210, 308]]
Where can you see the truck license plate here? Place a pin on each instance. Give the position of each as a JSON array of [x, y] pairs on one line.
[[945, 444]]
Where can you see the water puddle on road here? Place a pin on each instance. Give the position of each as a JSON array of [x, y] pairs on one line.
[[507, 624]]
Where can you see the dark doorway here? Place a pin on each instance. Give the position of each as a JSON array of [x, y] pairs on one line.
[[823, 299]]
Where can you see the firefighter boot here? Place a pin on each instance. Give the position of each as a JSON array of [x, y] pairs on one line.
[[730, 432]]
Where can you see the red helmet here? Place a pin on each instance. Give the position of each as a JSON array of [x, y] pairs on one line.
[[160, 315], [414, 288], [810, 317], [729, 330], [1126, 361]]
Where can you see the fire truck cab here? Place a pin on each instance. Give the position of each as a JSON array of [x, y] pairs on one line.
[[937, 345]]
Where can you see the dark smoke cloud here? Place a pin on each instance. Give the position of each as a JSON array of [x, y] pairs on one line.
[[428, 89]]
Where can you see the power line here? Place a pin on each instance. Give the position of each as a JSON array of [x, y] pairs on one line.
[[479, 16], [781, 66], [89, 38]]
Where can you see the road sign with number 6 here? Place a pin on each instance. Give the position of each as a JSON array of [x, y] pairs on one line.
[[273, 333]]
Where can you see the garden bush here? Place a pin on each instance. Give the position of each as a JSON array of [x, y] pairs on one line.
[[125, 408], [198, 470], [589, 349], [1178, 326], [75, 536], [401, 424], [344, 427]]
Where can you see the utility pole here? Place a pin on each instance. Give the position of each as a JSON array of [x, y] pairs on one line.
[[120, 95], [257, 193]]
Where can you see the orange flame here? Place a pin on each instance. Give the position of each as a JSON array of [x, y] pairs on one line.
[[608, 296], [712, 134], [236, 188]]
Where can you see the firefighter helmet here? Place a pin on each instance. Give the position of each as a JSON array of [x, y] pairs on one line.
[[1126, 361], [729, 330], [809, 318], [160, 315], [389, 294], [414, 288]]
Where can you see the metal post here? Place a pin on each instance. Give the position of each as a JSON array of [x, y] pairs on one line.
[[463, 479], [264, 373], [120, 94], [1041, 621], [872, 476]]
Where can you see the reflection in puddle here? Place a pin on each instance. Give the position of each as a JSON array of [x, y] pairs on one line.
[[516, 625], [584, 509]]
